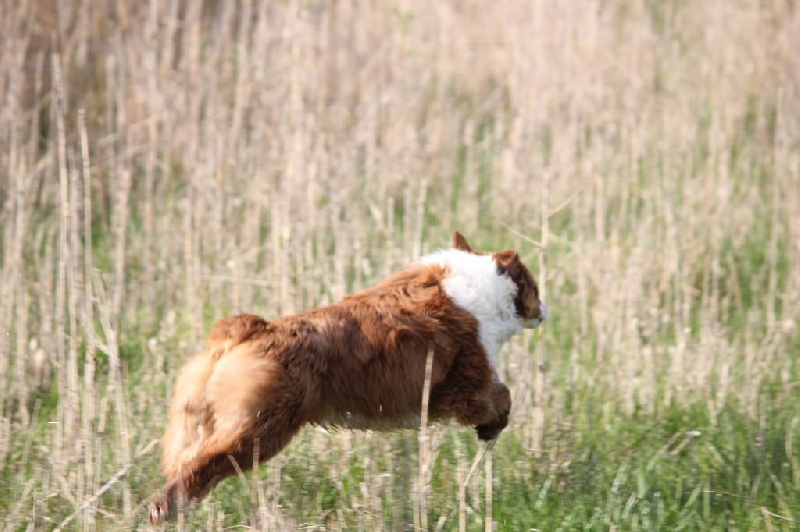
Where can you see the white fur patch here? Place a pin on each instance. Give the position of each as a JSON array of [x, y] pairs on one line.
[[474, 285]]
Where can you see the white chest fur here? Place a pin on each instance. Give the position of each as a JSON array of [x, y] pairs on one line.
[[474, 284]]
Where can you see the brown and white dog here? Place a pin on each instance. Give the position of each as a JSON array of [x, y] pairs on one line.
[[359, 363]]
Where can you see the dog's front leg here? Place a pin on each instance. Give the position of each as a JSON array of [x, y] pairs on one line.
[[500, 399]]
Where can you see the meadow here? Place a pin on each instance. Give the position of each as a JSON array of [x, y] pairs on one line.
[[163, 164]]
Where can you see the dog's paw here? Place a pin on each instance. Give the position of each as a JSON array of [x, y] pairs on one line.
[[160, 509], [488, 432]]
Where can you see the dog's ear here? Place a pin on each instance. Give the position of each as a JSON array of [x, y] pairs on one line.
[[459, 242], [505, 259]]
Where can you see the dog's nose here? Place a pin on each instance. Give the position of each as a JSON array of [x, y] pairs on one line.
[[543, 310]]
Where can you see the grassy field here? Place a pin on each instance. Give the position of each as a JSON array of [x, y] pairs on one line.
[[163, 164]]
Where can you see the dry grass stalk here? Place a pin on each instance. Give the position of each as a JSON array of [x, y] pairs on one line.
[[488, 525], [424, 466], [115, 384], [113, 480], [65, 419], [539, 379]]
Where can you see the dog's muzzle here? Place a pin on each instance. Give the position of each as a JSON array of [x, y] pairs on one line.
[[543, 315]]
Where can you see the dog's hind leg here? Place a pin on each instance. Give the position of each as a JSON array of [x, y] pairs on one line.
[[189, 415], [253, 400], [190, 420], [214, 465]]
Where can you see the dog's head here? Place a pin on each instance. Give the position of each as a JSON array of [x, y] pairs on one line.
[[531, 310]]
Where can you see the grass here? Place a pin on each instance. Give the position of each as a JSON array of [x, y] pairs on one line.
[[165, 164]]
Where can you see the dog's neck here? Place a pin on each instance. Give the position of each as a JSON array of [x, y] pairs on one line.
[[473, 283]]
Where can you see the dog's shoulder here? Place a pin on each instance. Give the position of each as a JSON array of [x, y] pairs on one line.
[[415, 284]]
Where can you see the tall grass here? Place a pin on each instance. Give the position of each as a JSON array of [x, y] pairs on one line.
[[166, 163]]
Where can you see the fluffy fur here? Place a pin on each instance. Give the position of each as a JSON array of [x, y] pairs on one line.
[[473, 284], [358, 364]]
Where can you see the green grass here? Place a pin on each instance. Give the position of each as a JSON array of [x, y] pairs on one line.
[[680, 472]]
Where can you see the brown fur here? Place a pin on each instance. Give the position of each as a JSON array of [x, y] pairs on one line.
[[359, 363]]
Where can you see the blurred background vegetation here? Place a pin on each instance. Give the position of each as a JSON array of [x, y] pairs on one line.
[[163, 164]]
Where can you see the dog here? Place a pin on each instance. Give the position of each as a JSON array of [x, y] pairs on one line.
[[359, 364]]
